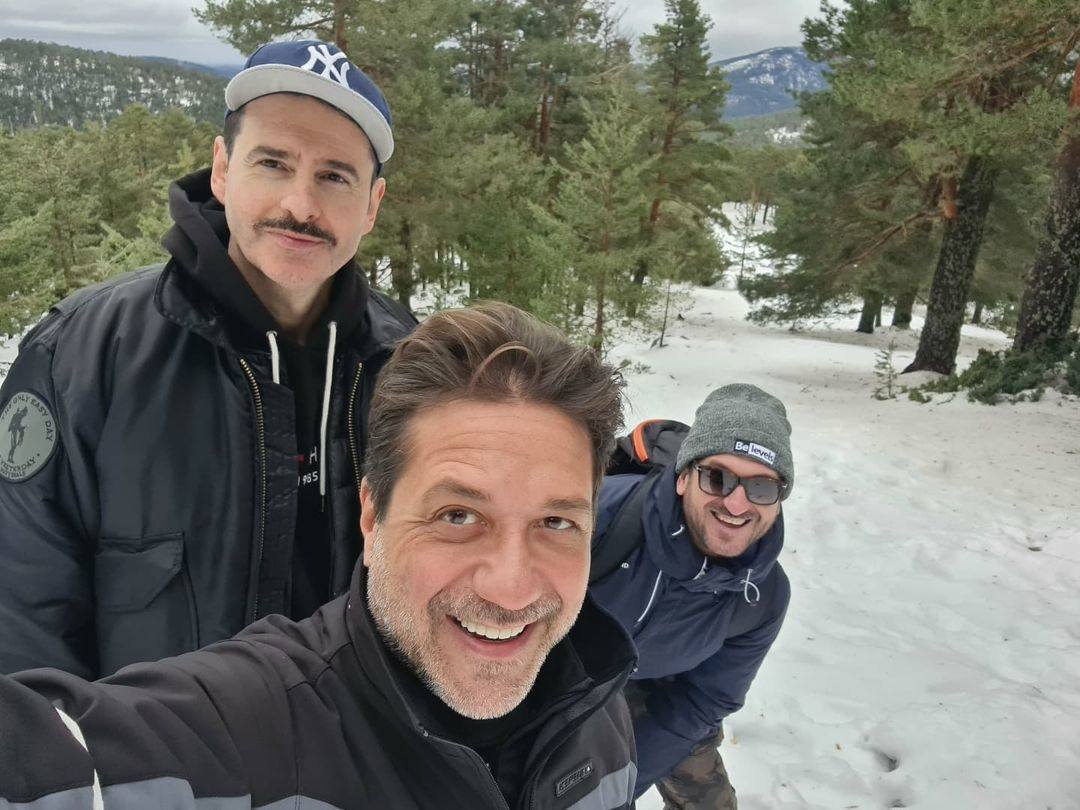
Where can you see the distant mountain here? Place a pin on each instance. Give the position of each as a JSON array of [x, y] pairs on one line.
[[226, 71], [42, 83], [762, 82]]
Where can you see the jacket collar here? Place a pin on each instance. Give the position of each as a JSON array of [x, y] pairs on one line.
[[581, 673], [668, 545]]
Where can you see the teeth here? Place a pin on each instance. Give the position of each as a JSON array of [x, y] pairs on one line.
[[731, 521], [492, 633]]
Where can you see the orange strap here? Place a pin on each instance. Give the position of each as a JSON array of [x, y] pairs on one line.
[[638, 436]]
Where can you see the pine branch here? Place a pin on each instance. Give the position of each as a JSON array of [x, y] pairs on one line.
[[885, 238]]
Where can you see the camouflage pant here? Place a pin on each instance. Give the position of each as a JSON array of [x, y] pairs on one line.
[[699, 782]]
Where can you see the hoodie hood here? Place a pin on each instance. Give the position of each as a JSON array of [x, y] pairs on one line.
[[670, 548], [198, 243]]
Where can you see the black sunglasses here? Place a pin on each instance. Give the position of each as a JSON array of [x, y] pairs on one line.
[[760, 489]]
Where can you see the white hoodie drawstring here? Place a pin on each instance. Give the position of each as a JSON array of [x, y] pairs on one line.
[[275, 358], [326, 407], [747, 585]]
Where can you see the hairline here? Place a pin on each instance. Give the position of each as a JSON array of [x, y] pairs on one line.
[[464, 395]]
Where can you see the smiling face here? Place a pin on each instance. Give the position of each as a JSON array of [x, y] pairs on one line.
[[297, 192], [480, 563], [725, 526]]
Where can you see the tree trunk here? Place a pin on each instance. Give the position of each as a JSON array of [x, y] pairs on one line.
[[1050, 288], [540, 117], [641, 270], [401, 272], [601, 294], [871, 308], [877, 315], [976, 316], [339, 25], [960, 245], [905, 302]]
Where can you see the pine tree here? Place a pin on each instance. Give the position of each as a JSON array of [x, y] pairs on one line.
[[1052, 285], [686, 139], [965, 108], [593, 235]]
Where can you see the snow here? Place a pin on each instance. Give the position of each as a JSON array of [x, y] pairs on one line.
[[931, 654]]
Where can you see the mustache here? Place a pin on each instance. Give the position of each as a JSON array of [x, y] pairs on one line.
[[470, 607], [302, 228]]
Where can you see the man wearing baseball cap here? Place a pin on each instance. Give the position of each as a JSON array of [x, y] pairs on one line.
[[701, 592], [193, 432]]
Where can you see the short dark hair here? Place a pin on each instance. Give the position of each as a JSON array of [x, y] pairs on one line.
[[234, 119], [491, 352]]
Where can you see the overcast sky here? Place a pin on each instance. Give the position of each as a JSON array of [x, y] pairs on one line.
[[168, 27]]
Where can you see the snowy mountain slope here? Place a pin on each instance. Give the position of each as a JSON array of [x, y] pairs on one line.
[[762, 82], [43, 83]]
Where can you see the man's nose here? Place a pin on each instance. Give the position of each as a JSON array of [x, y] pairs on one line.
[[506, 575], [737, 503], [300, 200]]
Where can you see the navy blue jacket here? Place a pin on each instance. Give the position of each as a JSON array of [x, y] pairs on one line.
[[679, 607]]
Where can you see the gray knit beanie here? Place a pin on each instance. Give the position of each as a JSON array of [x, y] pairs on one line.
[[742, 420]]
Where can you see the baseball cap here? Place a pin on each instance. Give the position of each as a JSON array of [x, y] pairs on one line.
[[323, 71]]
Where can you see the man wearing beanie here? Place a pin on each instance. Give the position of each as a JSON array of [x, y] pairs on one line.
[[193, 432], [702, 592]]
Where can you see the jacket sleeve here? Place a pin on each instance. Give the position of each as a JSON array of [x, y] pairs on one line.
[[215, 723], [46, 560], [688, 708]]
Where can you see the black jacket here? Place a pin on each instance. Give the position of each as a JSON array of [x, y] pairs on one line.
[[161, 515], [308, 715]]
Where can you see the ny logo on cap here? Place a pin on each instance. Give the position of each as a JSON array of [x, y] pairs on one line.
[[321, 54]]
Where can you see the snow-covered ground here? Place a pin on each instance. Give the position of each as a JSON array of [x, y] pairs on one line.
[[931, 654]]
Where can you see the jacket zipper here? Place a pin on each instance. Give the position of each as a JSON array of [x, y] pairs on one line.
[[352, 427], [260, 424], [490, 783]]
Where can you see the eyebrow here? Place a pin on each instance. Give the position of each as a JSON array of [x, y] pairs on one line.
[[569, 505], [462, 491], [283, 154], [458, 489]]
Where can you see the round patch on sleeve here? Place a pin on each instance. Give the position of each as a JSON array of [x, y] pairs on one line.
[[27, 436]]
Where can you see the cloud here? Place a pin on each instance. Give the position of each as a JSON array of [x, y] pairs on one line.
[[71, 15], [137, 27], [738, 27], [169, 28]]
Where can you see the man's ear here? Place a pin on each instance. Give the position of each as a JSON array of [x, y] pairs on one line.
[[219, 169], [367, 518], [680, 482], [374, 201]]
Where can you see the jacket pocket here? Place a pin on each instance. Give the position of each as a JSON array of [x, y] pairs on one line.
[[145, 603]]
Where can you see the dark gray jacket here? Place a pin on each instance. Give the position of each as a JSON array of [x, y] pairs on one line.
[[162, 515], [309, 715]]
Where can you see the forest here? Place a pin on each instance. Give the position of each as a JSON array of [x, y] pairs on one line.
[[547, 159]]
